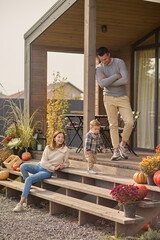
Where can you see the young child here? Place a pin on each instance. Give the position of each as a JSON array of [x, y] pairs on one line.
[[92, 142], [54, 157]]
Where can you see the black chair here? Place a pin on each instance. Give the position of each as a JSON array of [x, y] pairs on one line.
[[136, 115], [105, 133], [77, 130]]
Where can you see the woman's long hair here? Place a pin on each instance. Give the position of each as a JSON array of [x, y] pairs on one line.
[[52, 146]]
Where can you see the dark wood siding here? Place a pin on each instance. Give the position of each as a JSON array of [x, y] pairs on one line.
[[39, 83]]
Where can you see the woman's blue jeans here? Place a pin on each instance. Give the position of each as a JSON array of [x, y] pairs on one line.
[[38, 173]]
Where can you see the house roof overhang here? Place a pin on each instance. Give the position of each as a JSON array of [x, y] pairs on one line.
[[62, 27]]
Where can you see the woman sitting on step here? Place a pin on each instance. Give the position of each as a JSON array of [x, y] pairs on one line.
[[54, 157]]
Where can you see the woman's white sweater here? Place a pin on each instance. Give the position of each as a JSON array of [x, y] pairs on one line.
[[52, 158]]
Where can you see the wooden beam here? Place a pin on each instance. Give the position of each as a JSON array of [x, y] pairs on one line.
[[89, 63], [27, 63]]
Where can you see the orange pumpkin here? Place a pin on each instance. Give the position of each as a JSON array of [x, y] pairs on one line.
[[4, 175], [140, 177], [156, 178], [26, 156], [143, 190]]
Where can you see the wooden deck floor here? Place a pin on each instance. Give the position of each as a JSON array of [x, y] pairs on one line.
[[105, 158], [104, 163]]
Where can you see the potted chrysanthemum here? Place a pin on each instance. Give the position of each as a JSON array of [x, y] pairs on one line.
[[127, 195], [149, 166]]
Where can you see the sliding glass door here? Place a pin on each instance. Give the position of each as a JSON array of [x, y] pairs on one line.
[[146, 90], [145, 97]]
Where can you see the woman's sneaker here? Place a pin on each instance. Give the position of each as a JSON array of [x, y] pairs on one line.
[[116, 156], [123, 151], [18, 208]]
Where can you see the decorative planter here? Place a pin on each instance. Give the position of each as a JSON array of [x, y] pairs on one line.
[[129, 210], [18, 152], [150, 180], [15, 151]]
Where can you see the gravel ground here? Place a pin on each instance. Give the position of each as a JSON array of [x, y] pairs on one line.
[[36, 223]]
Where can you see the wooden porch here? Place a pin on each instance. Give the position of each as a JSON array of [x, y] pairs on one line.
[[89, 194], [126, 21]]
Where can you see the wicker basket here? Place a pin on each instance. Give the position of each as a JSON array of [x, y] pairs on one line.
[[12, 160]]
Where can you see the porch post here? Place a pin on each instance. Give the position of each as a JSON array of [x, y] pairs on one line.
[[89, 63], [27, 80]]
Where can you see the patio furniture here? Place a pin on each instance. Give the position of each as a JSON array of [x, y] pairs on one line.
[[75, 125]]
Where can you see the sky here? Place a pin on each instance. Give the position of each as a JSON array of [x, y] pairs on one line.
[[16, 18]]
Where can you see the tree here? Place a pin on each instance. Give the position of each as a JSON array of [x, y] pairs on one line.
[[56, 107]]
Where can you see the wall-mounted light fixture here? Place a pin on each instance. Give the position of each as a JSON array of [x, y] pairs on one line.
[[104, 28]]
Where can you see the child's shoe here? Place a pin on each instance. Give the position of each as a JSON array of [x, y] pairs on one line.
[[92, 171]]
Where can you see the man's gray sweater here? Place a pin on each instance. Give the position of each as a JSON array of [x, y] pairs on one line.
[[113, 86]]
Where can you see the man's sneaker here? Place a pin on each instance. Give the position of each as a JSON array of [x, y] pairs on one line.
[[116, 156], [18, 208], [123, 151], [92, 171]]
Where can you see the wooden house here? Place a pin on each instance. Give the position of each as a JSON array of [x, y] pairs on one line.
[[130, 29]]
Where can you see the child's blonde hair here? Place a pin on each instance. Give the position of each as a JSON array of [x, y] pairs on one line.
[[94, 123]]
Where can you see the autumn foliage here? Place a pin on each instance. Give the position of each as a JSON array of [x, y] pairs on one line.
[[56, 107]]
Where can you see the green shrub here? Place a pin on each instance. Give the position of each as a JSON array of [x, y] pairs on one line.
[[151, 235]]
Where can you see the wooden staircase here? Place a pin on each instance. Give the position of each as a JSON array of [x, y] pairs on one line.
[[90, 195]]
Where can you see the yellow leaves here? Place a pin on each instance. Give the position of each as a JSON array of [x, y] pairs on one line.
[[56, 107]]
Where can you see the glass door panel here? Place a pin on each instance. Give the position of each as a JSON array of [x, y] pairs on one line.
[[159, 96], [144, 97]]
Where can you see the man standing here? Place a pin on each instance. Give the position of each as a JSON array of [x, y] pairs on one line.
[[112, 76]]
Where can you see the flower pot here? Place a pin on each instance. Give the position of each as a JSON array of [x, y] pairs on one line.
[[129, 210], [18, 152], [150, 180], [15, 151]]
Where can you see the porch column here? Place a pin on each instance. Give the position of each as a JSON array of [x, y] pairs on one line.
[[89, 63], [27, 79]]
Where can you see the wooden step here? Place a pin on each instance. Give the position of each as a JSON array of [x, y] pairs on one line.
[[81, 205], [94, 190], [86, 210], [99, 176], [89, 189], [79, 187], [87, 178]]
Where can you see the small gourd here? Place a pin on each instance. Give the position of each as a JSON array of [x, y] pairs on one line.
[[4, 175], [140, 177], [26, 156]]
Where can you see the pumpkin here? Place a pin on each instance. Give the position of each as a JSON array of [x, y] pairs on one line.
[[156, 178], [143, 190], [4, 175], [140, 177], [26, 156], [147, 226]]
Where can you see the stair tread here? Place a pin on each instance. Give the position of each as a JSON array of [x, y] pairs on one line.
[[82, 205]]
